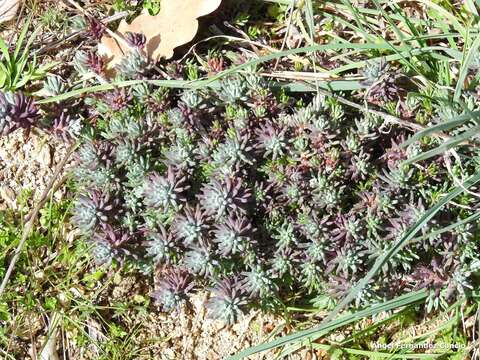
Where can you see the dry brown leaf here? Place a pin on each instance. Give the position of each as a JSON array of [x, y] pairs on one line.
[[8, 9], [176, 24]]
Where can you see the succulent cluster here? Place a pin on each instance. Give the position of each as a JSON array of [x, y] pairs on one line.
[[236, 190]]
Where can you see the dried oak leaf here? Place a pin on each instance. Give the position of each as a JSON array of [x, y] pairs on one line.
[[8, 9], [176, 24]]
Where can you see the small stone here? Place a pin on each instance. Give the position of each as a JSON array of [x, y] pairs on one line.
[[117, 279], [64, 300], [72, 235], [7, 194], [216, 326], [44, 156], [58, 195], [18, 171], [76, 293], [169, 354], [238, 327], [20, 156], [5, 155], [39, 275], [212, 355]]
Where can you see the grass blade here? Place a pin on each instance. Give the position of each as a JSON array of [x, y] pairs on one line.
[[21, 38], [105, 87], [301, 50], [4, 50], [379, 355], [447, 125], [325, 328], [472, 52], [445, 146], [309, 19]]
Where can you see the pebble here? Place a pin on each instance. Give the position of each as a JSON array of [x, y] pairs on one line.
[[7, 194], [5, 155], [44, 156], [58, 195]]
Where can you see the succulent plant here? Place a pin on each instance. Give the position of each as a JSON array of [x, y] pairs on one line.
[[326, 195], [125, 127], [93, 155], [173, 287], [227, 301], [215, 64], [353, 143], [386, 203], [391, 88], [402, 260], [200, 260], [293, 193], [78, 23], [233, 235], [234, 151], [118, 99], [226, 197], [311, 226], [347, 229], [161, 245], [103, 254], [395, 154], [311, 275], [346, 261], [17, 111], [284, 263], [258, 283], [165, 192], [285, 236], [66, 128], [317, 250], [115, 240], [85, 62], [432, 276], [181, 156], [272, 141], [93, 209], [5, 124], [135, 39], [192, 226], [232, 89], [374, 70], [133, 65], [95, 28], [54, 85], [464, 232], [360, 166], [192, 99], [126, 152]]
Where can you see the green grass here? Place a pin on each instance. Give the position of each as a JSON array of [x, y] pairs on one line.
[[56, 278], [19, 67]]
